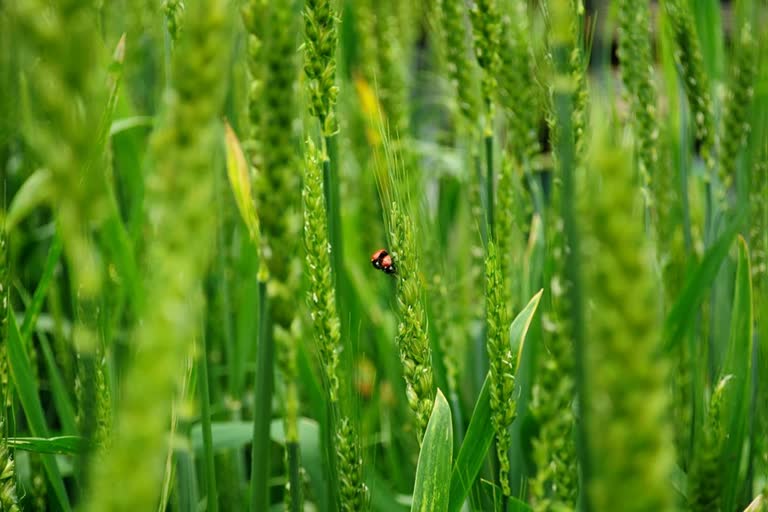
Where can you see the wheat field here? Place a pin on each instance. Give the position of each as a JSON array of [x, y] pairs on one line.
[[362, 255]]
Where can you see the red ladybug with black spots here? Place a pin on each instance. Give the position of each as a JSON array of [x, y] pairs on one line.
[[382, 260]]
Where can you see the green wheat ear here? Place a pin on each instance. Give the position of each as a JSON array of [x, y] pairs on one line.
[[367, 42], [180, 233], [320, 39], [502, 363], [705, 481], [322, 296], [8, 500], [392, 67], [627, 407], [486, 30], [412, 334], [253, 13], [67, 94], [453, 30], [412, 338], [353, 490], [695, 81], [565, 23], [518, 89], [636, 69], [736, 123], [174, 16]]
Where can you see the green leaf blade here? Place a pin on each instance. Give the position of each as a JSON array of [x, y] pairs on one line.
[[26, 387], [738, 364], [697, 286], [430, 493]]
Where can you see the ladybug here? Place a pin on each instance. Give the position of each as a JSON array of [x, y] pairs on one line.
[[381, 260]]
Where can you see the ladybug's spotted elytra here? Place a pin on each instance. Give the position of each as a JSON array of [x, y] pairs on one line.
[[383, 261], [377, 257]]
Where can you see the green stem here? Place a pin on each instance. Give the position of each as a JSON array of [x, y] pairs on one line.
[[185, 494], [489, 182], [88, 412], [294, 476], [687, 232], [458, 421], [36, 305], [205, 409], [331, 190], [333, 217], [478, 170], [58, 388], [344, 290], [332, 418], [262, 407], [223, 291]]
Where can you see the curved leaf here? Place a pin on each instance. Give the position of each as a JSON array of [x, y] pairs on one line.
[[33, 192]]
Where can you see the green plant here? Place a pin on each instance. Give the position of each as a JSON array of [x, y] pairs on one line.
[[167, 344]]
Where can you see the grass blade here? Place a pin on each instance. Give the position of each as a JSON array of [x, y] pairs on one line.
[[697, 285], [34, 191], [26, 387], [262, 408], [520, 325], [36, 305], [61, 397], [128, 123], [434, 467], [65, 445], [212, 499]]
